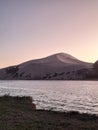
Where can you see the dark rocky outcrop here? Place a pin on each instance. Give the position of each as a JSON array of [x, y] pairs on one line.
[[95, 66]]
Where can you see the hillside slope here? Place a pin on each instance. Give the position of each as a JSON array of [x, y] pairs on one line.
[[57, 66]]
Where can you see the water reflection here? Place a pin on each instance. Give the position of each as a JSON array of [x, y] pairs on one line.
[[56, 95]]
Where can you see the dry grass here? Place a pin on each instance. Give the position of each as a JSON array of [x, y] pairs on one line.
[[18, 113]]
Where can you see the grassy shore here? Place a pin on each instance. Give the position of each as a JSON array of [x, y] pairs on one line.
[[19, 113]]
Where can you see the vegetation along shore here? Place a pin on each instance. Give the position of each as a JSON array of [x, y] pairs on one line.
[[19, 113]]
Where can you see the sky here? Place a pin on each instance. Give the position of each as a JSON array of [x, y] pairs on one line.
[[31, 29]]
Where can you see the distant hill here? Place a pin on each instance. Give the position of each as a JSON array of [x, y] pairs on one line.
[[60, 66]]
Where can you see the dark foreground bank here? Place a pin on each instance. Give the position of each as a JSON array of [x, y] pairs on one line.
[[19, 113]]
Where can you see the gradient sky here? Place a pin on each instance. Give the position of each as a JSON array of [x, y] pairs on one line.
[[31, 29]]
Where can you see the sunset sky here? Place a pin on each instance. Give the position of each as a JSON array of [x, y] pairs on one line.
[[31, 29]]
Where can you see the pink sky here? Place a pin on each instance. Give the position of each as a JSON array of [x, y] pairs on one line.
[[31, 29]]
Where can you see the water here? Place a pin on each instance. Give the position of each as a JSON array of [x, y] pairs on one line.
[[79, 96]]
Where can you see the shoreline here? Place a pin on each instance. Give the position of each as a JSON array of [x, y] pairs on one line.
[[20, 113]]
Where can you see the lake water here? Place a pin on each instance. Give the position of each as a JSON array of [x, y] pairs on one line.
[[79, 96]]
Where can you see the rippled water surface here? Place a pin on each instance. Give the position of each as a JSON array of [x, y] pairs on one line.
[[56, 95]]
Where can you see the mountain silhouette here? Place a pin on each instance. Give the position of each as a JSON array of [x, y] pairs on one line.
[[56, 66]]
